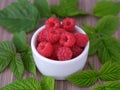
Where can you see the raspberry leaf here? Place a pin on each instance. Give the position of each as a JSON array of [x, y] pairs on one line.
[[58, 10], [7, 50], [94, 42], [74, 12], [19, 40], [113, 85], [28, 61], [110, 71], [83, 78], [26, 84], [71, 4], [109, 50], [103, 8], [7, 47], [17, 66], [94, 46], [90, 30], [4, 61], [107, 25], [67, 8], [99, 87], [71, 9], [18, 16], [101, 40], [47, 83], [43, 8]]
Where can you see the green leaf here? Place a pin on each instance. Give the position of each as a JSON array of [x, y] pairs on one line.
[[113, 85], [71, 3], [19, 40], [19, 16], [101, 40], [7, 50], [7, 47], [43, 8], [83, 78], [4, 61], [90, 30], [58, 11], [26, 84], [110, 71], [109, 50], [17, 66], [107, 25], [28, 61], [67, 8], [47, 83], [104, 8], [99, 87], [95, 44], [74, 12]]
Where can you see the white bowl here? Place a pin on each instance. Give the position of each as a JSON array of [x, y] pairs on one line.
[[58, 69]]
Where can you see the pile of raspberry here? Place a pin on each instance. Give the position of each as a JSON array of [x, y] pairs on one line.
[[60, 41]]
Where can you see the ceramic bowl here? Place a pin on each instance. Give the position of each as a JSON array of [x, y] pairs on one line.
[[58, 69]]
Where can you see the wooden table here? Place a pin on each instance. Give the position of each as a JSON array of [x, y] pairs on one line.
[[7, 76]]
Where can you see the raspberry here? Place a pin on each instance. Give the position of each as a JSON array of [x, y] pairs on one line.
[[53, 35], [45, 49], [56, 46], [67, 39], [42, 36], [81, 39], [52, 23], [76, 50], [64, 53], [61, 30], [68, 24]]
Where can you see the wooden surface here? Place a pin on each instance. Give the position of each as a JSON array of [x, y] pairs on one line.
[[7, 76]]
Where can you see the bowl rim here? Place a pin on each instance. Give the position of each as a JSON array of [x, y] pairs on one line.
[[33, 40]]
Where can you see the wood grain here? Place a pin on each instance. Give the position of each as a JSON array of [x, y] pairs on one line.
[[7, 76]]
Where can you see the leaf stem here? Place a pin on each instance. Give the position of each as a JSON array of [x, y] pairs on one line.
[[99, 81], [90, 65]]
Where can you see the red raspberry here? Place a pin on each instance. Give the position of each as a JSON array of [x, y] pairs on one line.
[[76, 50], [52, 23], [45, 49], [67, 39], [64, 53], [42, 36], [53, 35], [61, 30], [81, 39], [56, 46], [68, 24]]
